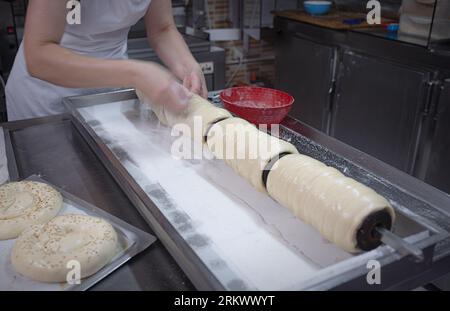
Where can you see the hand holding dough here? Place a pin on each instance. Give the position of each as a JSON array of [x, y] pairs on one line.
[[198, 116]]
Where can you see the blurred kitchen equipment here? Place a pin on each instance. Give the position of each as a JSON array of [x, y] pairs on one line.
[[3, 116], [257, 105], [425, 18], [11, 31], [353, 21], [317, 7], [334, 20], [211, 58], [392, 27]]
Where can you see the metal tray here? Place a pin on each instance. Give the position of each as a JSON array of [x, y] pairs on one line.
[[132, 241], [415, 222]]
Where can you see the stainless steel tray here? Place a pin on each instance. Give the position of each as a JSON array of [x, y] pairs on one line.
[[132, 241], [415, 223]]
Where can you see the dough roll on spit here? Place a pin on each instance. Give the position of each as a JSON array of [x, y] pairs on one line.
[[198, 116], [246, 149], [344, 211]]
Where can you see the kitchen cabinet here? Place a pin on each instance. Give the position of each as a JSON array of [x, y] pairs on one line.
[[378, 108], [305, 69], [438, 171], [387, 98]]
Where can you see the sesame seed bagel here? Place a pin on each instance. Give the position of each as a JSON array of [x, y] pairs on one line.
[[26, 203], [43, 252]]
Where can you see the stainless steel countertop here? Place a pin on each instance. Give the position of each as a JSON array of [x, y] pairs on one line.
[[52, 147]]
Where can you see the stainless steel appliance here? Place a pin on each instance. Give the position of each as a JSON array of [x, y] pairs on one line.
[[12, 13]]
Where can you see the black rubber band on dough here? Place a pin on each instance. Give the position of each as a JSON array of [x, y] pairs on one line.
[[205, 138], [265, 174], [367, 238]]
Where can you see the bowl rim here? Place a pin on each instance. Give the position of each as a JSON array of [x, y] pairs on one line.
[[317, 2], [271, 90]]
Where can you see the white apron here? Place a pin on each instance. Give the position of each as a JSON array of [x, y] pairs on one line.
[[102, 33]]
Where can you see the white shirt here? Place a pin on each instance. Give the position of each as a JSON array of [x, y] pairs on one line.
[[102, 33]]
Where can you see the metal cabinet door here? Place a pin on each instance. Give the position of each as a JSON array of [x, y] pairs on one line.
[[438, 173], [304, 69], [378, 108]]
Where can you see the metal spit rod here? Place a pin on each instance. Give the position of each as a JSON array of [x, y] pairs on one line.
[[399, 244]]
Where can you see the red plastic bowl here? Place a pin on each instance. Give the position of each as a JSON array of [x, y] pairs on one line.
[[257, 105]]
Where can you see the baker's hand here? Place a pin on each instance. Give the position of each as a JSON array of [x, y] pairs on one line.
[[194, 81], [160, 86]]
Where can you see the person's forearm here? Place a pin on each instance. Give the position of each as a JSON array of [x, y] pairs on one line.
[[173, 51], [62, 67], [57, 65]]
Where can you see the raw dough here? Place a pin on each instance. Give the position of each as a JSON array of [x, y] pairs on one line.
[[245, 148], [199, 111], [320, 195], [323, 197], [26, 203], [158, 110], [42, 252]]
